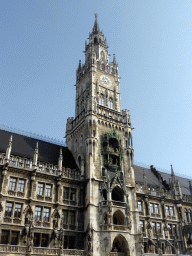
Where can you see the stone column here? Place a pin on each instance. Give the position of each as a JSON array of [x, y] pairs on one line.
[[3, 175]]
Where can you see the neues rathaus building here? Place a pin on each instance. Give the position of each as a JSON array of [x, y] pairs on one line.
[[89, 198]]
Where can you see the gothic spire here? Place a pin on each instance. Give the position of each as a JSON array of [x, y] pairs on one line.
[[96, 25]]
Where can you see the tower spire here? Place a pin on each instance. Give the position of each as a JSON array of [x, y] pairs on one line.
[[96, 25]]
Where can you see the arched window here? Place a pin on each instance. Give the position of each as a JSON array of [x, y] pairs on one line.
[[110, 103], [101, 99], [117, 194], [118, 218], [95, 40], [102, 56]]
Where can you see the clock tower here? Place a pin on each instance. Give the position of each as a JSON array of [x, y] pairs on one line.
[[100, 138]]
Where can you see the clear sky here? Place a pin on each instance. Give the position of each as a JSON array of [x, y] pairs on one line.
[[41, 43]]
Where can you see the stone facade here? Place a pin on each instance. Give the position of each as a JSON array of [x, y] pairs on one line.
[[90, 198]]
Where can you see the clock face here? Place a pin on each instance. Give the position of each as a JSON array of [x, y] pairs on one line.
[[105, 80]]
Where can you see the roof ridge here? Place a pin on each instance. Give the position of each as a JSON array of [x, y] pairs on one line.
[[33, 135]]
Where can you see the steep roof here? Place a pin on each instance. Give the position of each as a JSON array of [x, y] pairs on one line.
[[153, 180], [25, 146]]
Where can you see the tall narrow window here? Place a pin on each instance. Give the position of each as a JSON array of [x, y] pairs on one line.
[[167, 210], [101, 99], [48, 190], [139, 205], [158, 227], [46, 214], [17, 213], [110, 103], [14, 237], [174, 229], [44, 240], [171, 211], [8, 209], [142, 225], [65, 216], [73, 194], [36, 240], [65, 193], [152, 208], [38, 213], [154, 227], [156, 208], [12, 184], [40, 189], [72, 218], [4, 236], [21, 186]]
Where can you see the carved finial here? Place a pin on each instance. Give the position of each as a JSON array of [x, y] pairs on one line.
[[96, 25], [60, 160], [35, 156], [9, 147], [114, 59]]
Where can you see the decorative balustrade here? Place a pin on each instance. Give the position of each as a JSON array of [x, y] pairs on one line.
[[118, 254], [187, 198], [71, 174], [19, 162], [118, 203], [47, 168], [22, 250], [13, 248], [74, 252], [119, 227], [153, 191], [45, 251]]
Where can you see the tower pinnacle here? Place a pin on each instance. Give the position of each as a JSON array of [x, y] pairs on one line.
[[96, 25]]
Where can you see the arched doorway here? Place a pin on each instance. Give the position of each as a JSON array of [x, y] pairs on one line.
[[120, 245]]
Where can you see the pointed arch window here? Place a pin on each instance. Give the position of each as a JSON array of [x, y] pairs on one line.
[[101, 99], [110, 103]]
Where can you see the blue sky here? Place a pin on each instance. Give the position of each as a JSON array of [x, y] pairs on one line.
[[41, 43]]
